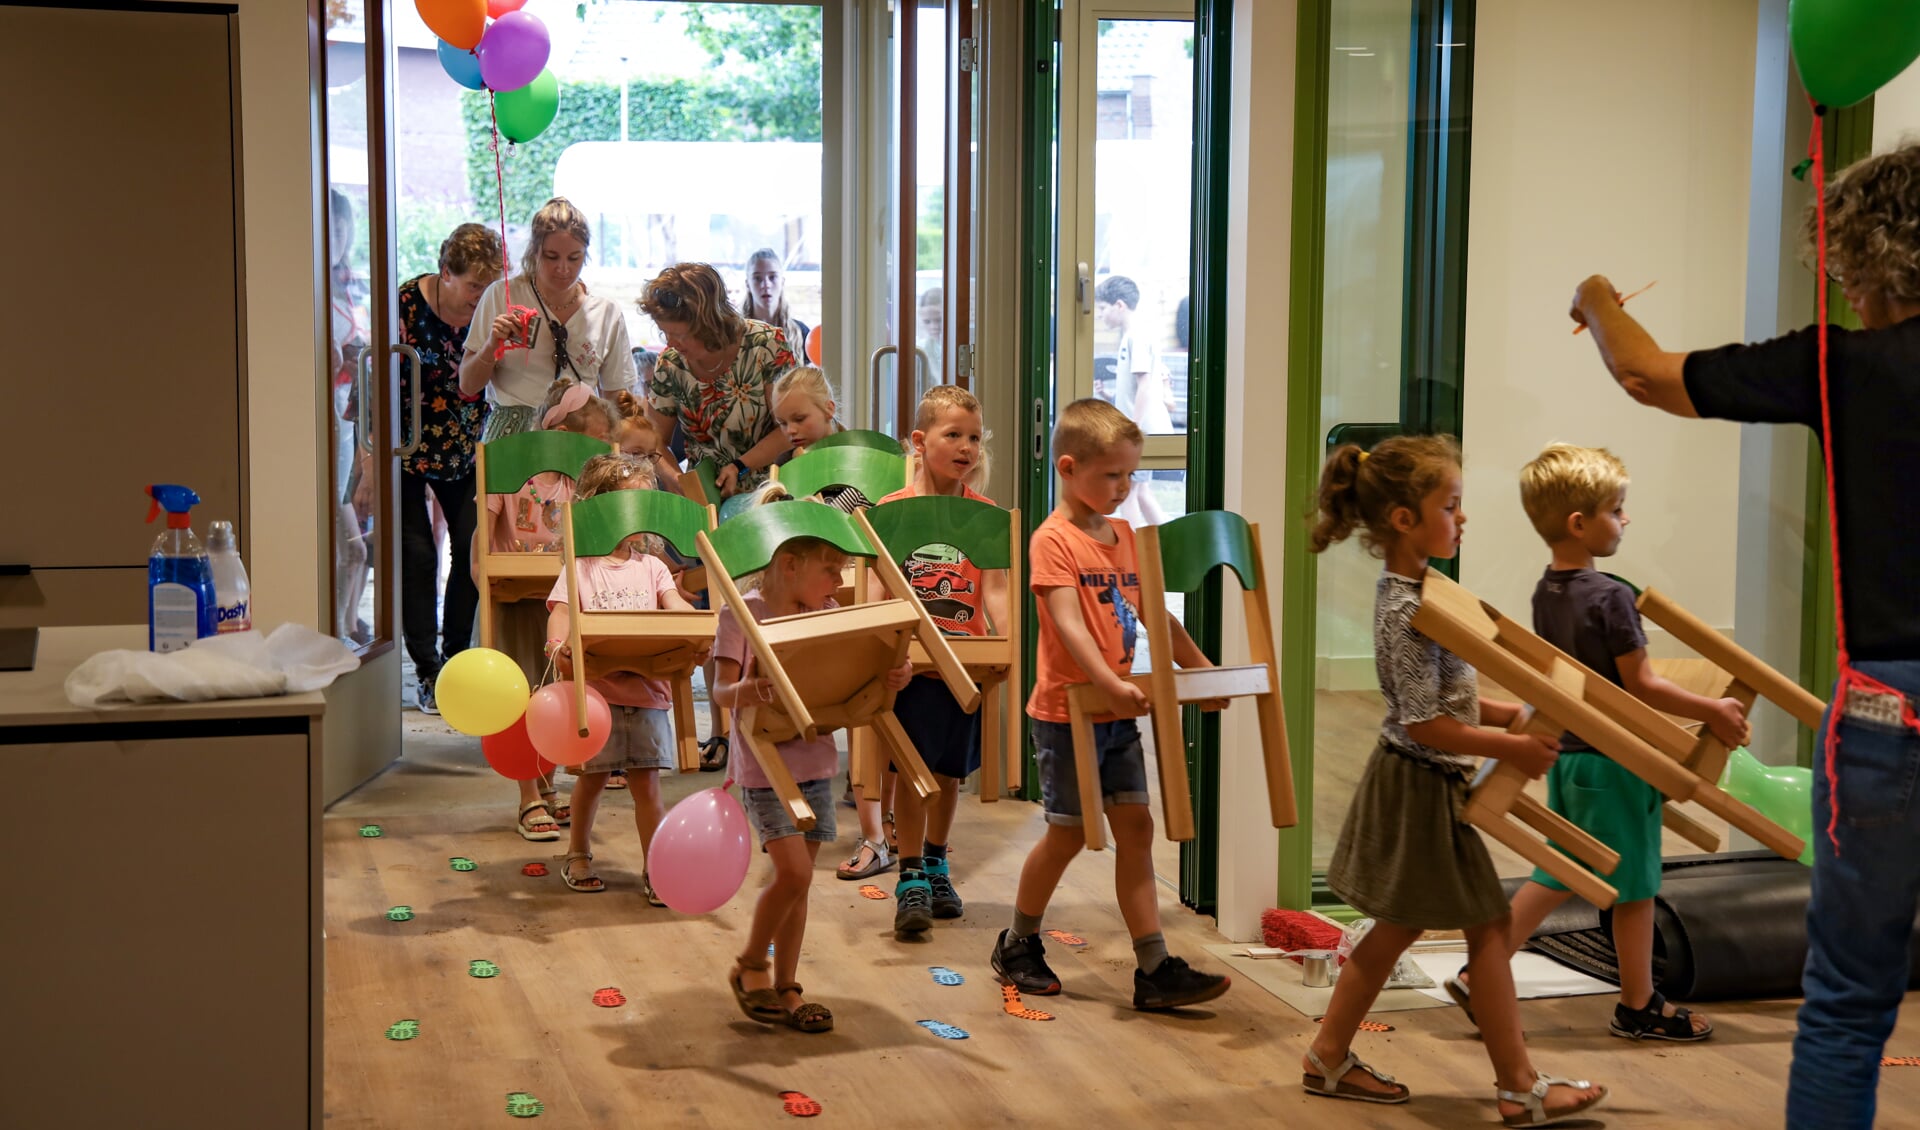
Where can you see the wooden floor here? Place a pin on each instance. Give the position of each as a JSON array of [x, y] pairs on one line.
[[679, 1054]]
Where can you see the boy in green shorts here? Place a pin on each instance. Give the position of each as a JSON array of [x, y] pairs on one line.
[[1576, 498]]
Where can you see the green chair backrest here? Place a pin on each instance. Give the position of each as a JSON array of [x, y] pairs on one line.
[[707, 471], [857, 437], [875, 474], [981, 530], [603, 521], [1193, 546], [748, 542], [512, 460]]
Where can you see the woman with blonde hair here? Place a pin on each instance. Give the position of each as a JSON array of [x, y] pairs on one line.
[[766, 299], [571, 334]]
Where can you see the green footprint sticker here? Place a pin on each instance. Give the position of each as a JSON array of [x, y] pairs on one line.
[[462, 863], [399, 913], [370, 831], [481, 967], [520, 1104], [403, 1030]]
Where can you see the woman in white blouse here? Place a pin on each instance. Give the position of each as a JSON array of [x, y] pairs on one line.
[[572, 334]]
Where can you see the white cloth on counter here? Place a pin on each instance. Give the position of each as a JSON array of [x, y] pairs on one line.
[[292, 660]]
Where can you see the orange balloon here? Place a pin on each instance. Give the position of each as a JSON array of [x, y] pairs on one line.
[[459, 22], [813, 345]]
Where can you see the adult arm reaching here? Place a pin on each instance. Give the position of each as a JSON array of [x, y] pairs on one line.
[[1650, 375]]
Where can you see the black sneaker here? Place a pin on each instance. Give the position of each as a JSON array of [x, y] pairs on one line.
[[427, 703], [946, 900], [1175, 985], [914, 896], [1022, 963]]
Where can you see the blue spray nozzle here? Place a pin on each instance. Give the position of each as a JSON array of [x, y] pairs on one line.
[[175, 500]]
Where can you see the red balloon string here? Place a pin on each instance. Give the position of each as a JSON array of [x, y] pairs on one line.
[[524, 314], [1850, 679]]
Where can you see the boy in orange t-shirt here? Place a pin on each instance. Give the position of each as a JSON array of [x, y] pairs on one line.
[[1085, 576]]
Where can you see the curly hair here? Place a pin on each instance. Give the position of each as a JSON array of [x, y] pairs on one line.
[[472, 248], [694, 295], [1359, 490], [1564, 480], [1873, 224], [604, 473]]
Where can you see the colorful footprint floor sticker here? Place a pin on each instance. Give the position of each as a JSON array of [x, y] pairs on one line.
[[534, 870], [461, 863], [872, 892], [520, 1104], [1365, 1025], [798, 1105], [1900, 1061], [370, 831], [481, 967], [609, 997], [943, 1030], [1065, 938], [403, 1030], [1015, 1008], [944, 976], [399, 913]]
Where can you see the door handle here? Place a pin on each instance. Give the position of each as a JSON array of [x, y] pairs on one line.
[[873, 370], [363, 402], [412, 357], [1366, 435], [1083, 287], [926, 371]]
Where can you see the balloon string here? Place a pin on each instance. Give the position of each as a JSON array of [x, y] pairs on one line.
[[1850, 679], [523, 313]]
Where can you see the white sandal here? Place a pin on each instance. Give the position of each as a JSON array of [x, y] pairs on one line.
[[881, 861], [1333, 1085], [1535, 1100], [526, 830]]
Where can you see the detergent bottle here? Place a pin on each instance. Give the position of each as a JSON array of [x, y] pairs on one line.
[[180, 599], [232, 594]]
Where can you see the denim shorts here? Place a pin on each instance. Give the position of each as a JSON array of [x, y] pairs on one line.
[[772, 820], [1123, 767], [641, 738]]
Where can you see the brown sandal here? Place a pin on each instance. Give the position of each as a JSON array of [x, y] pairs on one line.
[[761, 1005], [809, 1017]]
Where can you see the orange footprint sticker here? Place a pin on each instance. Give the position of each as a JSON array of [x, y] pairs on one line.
[[609, 997], [1365, 1025], [1014, 1007], [798, 1105], [1900, 1061], [1065, 938], [872, 892], [534, 870]]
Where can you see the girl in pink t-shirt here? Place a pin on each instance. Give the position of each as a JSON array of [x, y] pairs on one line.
[[528, 521], [632, 578], [802, 577]]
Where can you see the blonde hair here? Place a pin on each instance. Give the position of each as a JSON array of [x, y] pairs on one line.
[[809, 382], [577, 422], [942, 398], [780, 315], [1564, 480], [804, 548], [1359, 490], [611, 472], [698, 300], [1873, 223], [1091, 427], [472, 248], [556, 215]]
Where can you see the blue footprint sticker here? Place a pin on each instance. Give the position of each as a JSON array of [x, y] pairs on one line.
[[944, 976], [944, 1031]]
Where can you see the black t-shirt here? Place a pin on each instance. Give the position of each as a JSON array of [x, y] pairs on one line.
[[1874, 377], [1591, 617]]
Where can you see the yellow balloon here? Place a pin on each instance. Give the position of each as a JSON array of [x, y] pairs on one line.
[[481, 692]]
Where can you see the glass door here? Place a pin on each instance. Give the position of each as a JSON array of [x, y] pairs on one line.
[[1125, 252]]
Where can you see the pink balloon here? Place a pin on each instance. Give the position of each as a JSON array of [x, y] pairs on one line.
[[700, 853], [498, 8], [551, 724], [513, 52]]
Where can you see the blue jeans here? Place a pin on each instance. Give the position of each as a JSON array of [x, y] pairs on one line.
[[1860, 920]]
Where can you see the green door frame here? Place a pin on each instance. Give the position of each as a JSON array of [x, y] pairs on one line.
[[1433, 342]]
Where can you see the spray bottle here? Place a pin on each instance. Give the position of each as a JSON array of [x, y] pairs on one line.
[[180, 599]]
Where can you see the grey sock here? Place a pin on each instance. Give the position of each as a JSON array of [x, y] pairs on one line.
[[1024, 925], [1150, 951]]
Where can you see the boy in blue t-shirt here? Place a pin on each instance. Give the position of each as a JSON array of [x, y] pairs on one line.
[[1576, 498]]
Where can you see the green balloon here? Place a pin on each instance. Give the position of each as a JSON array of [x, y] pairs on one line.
[[1781, 793], [524, 114], [1847, 49]]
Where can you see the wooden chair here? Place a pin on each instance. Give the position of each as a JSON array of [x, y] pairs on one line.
[[990, 538], [828, 667], [1178, 557], [1565, 695], [857, 437], [875, 474], [661, 644], [503, 467]]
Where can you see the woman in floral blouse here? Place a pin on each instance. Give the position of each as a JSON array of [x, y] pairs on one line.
[[434, 312], [715, 380]]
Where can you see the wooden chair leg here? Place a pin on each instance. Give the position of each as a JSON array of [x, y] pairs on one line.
[[686, 736], [1564, 832], [1689, 829], [991, 738], [1170, 758], [1086, 766], [778, 775], [905, 757], [857, 770], [1578, 879], [1015, 743]]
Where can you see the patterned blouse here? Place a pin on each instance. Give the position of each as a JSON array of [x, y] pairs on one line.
[[1419, 679], [449, 423], [723, 420]]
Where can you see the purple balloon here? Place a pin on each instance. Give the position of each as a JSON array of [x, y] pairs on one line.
[[513, 51], [700, 852]]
